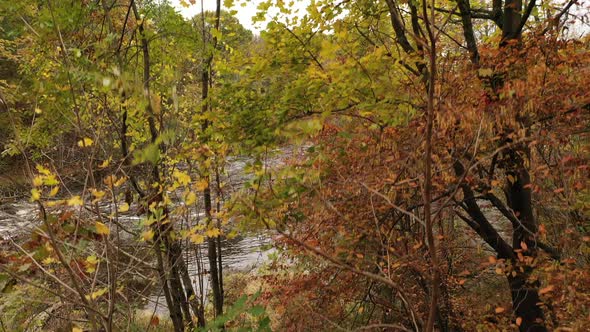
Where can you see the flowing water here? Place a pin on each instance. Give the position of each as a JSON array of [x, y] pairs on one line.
[[240, 254]]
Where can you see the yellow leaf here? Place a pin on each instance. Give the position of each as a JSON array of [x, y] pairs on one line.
[[38, 110], [120, 181], [92, 260], [35, 195], [98, 194], [85, 142], [102, 228], [124, 207], [77, 329], [191, 198], [105, 163], [147, 235], [37, 181], [55, 203], [499, 310], [181, 177], [97, 294], [48, 260], [202, 184], [75, 201], [197, 238], [42, 170], [213, 232], [50, 180], [53, 191]]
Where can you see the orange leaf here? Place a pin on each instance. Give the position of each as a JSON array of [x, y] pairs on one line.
[[155, 321], [546, 290], [500, 310]]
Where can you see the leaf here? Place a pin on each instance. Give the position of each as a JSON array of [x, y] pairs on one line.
[[191, 198], [50, 180], [35, 195], [197, 238], [85, 142], [97, 294], [213, 232], [499, 310], [76, 329], [48, 260], [147, 235], [42, 170], [124, 207], [182, 178], [102, 229], [485, 72], [53, 191], [92, 259], [91, 262], [75, 201], [511, 178], [155, 321], [546, 290], [120, 181], [109, 180], [518, 321], [105, 163], [202, 184], [98, 194], [38, 181]]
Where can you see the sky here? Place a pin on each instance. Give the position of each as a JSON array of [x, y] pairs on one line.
[[244, 14]]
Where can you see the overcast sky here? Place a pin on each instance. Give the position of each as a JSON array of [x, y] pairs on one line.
[[244, 14]]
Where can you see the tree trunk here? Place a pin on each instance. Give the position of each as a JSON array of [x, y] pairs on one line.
[[525, 293]]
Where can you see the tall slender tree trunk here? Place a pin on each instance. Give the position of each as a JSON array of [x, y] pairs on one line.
[[206, 82], [169, 273]]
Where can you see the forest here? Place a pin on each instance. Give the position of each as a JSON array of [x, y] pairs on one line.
[[303, 165]]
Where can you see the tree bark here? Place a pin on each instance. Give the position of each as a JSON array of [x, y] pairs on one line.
[[212, 253]]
